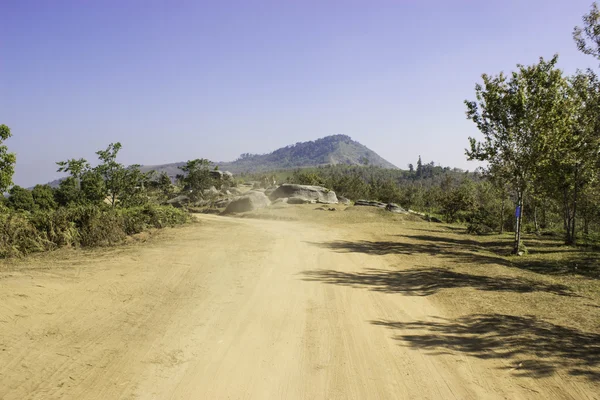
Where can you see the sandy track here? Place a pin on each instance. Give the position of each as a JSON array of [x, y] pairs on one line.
[[227, 309]]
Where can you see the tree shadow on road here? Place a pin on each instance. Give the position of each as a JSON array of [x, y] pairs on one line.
[[534, 347], [460, 251], [428, 281]]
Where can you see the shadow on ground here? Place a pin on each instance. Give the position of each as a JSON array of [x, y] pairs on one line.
[[548, 257], [428, 281], [535, 348], [466, 251]]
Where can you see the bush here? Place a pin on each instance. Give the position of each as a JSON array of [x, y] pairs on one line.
[[138, 219], [23, 233], [19, 237]]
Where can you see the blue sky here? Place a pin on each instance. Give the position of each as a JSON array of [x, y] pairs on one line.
[[177, 80]]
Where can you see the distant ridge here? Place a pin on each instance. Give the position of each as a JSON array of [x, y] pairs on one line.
[[330, 150]]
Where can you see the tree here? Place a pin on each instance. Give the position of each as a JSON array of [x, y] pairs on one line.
[[68, 192], [93, 188], [114, 174], [517, 117], [196, 177], [135, 183], [20, 199], [163, 185], [588, 37], [74, 167], [7, 160], [43, 196], [574, 150]]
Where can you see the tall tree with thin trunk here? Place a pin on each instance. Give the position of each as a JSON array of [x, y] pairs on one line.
[[516, 115]]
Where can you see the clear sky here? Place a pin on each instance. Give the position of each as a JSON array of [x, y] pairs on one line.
[[177, 80]]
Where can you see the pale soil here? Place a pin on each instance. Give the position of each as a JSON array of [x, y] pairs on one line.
[[235, 308]]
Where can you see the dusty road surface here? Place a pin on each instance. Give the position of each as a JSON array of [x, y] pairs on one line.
[[236, 309]]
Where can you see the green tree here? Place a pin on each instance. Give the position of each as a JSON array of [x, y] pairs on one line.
[[20, 199], [43, 196], [163, 186], [587, 37], [68, 192], [76, 168], [136, 183], [7, 160], [517, 117], [113, 173], [93, 188], [575, 148], [196, 177]]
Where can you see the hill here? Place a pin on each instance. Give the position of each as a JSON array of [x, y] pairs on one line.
[[330, 150]]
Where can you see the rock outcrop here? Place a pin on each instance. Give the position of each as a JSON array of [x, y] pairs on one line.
[[308, 194], [251, 201]]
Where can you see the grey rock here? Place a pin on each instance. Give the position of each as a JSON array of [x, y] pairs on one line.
[[300, 200], [251, 201], [306, 192], [395, 208], [211, 191], [216, 174], [370, 203], [222, 203], [343, 200]]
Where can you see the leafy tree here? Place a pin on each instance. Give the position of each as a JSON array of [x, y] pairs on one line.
[[163, 186], [196, 177], [7, 160], [68, 192], [20, 199], [588, 37], [93, 188], [135, 182], [574, 150], [74, 167], [114, 173], [43, 196], [517, 117]]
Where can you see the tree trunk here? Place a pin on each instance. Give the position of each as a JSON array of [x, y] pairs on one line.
[[566, 216], [519, 218], [574, 215], [535, 221], [502, 216]]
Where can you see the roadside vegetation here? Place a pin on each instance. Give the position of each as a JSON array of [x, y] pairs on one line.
[[93, 206]]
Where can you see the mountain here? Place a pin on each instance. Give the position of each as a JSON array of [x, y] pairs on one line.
[[330, 150]]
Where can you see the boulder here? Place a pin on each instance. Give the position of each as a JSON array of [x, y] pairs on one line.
[[227, 175], [270, 190], [300, 200], [395, 208], [235, 191], [251, 201], [179, 201], [311, 194], [282, 200], [216, 174], [370, 203], [211, 191], [344, 201], [222, 203]]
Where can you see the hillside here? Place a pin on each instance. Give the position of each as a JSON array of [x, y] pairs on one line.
[[330, 150]]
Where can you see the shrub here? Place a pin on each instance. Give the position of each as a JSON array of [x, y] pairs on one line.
[[19, 237], [23, 233]]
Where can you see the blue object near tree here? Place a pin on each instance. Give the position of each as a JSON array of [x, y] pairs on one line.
[[518, 212]]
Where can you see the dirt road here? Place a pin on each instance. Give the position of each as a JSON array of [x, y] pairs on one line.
[[231, 309]]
